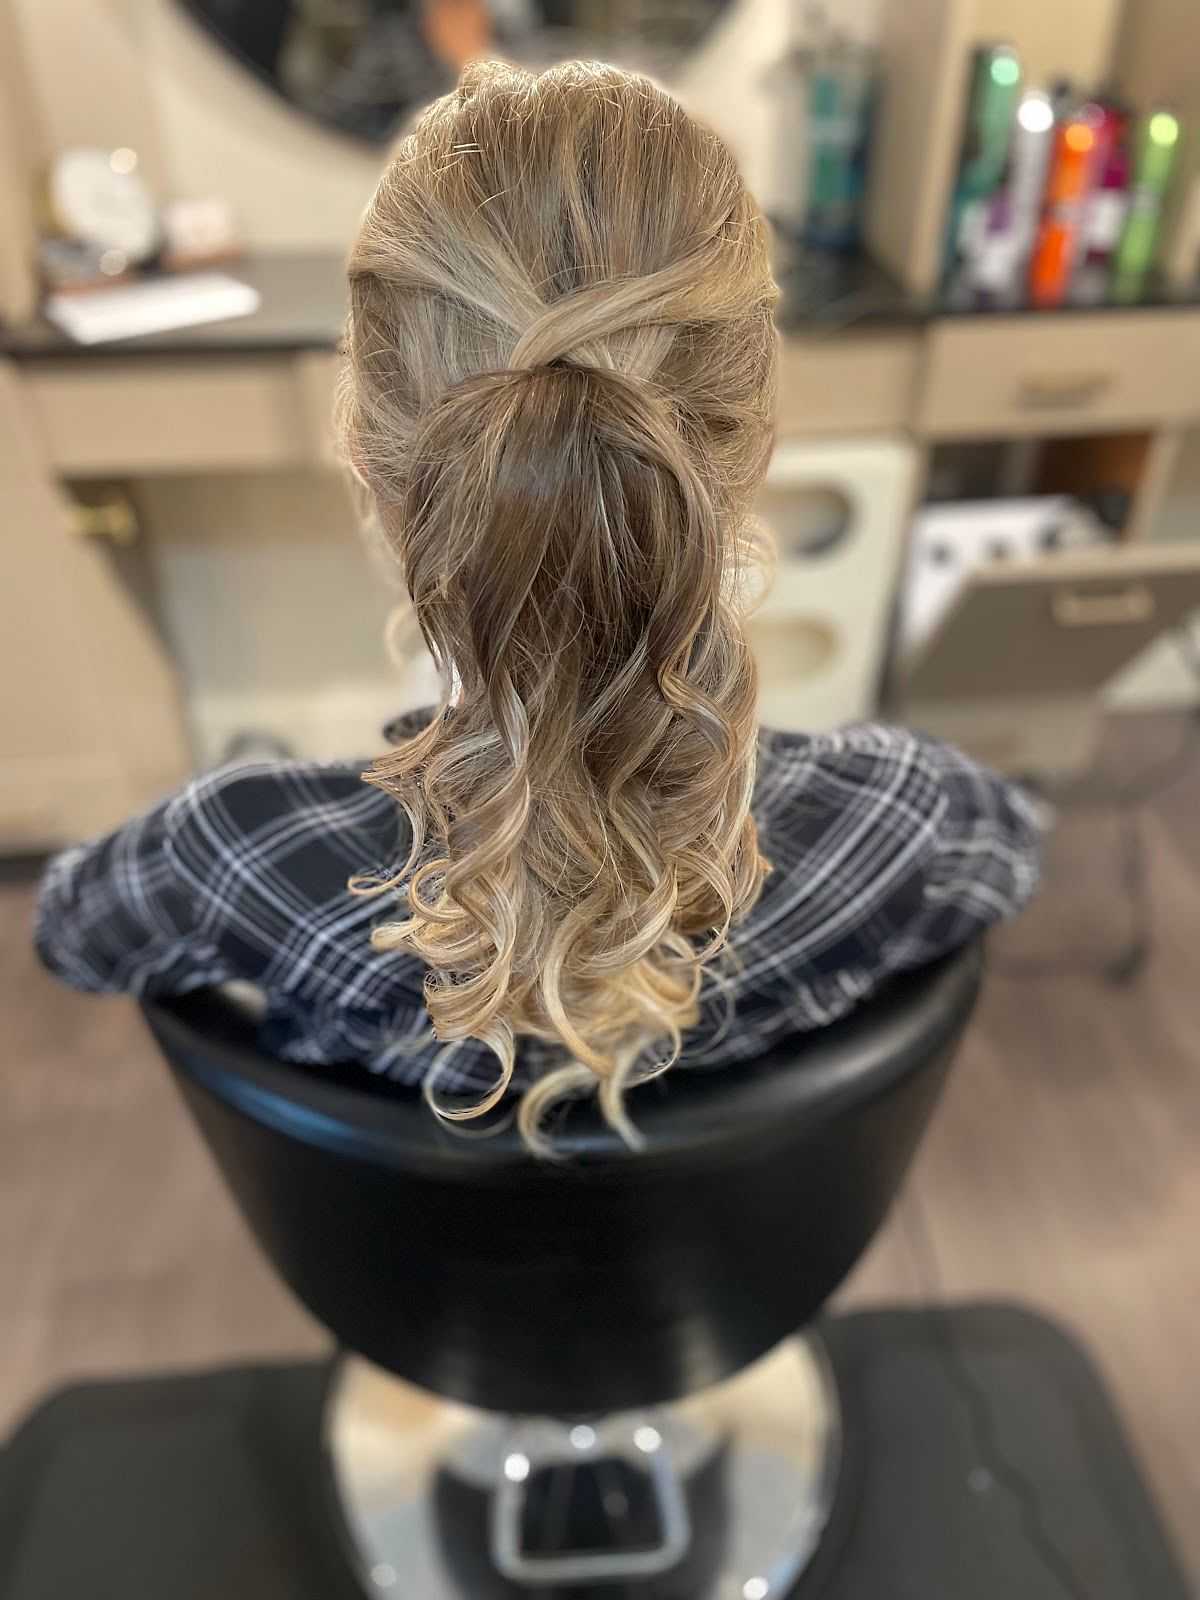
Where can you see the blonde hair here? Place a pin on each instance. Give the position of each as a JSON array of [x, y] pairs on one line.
[[559, 392]]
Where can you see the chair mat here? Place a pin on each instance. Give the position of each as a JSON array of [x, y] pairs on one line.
[[983, 1461]]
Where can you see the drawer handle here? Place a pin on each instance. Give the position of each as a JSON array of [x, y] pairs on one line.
[[107, 516], [1063, 389], [1125, 608]]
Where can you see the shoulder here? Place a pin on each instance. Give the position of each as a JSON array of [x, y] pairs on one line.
[[312, 815], [858, 747], [846, 786], [870, 811]]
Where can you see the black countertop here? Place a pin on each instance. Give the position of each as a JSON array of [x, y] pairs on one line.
[[828, 293], [303, 300], [303, 304]]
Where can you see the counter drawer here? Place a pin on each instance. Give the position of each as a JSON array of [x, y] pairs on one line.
[[847, 383], [1001, 376], [110, 416]]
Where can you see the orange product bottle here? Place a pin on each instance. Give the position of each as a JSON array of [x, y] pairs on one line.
[[1072, 166]]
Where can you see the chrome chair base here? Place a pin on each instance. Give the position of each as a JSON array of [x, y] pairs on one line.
[[770, 1438]]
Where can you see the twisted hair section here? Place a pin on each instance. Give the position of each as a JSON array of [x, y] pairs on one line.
[[558, 391]]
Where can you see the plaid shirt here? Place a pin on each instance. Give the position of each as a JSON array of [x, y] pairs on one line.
[[888, 850]]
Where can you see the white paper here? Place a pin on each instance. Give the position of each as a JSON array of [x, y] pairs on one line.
[[128, 309]]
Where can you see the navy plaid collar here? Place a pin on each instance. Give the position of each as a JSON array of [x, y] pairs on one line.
[[887, 850]]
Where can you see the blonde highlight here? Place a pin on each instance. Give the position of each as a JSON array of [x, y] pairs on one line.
[[559, 393]]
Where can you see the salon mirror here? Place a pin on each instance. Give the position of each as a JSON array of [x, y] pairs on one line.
[[362, 66]]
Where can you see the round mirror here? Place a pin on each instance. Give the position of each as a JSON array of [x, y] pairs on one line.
[[364, 66]]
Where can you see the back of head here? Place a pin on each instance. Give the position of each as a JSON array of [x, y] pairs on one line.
[[559, 391]]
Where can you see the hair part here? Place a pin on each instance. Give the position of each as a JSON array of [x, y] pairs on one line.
[[559, 393]]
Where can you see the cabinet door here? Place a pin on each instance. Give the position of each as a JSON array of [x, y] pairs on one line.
[[90, 723], [1059, 625], [1014, 671]]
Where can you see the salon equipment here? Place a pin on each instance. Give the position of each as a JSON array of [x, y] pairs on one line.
[[1157, 142], [994, 258], [991, 107], [840, 91], [1072, 170], [1109, 202], [837, 513]]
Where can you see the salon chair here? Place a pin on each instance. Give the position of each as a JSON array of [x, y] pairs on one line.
[[589, 1376]]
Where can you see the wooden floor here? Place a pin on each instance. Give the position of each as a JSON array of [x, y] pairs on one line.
[[1063, 1168]]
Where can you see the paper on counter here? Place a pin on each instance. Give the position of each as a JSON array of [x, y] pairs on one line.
[[155, 306]]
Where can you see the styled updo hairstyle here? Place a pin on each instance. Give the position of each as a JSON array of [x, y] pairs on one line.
[[559, 392]]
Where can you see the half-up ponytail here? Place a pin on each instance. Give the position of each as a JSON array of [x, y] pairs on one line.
[[559, 392]]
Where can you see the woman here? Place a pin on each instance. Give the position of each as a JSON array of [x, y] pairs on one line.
[[588, 860]]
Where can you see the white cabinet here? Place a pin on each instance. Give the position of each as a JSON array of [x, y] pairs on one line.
[[838, 510]]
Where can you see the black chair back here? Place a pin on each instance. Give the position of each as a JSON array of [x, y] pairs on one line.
[[606, 1281]]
